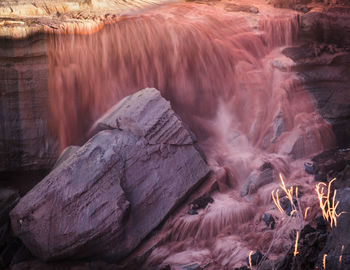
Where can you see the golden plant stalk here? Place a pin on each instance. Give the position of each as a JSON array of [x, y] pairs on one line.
[[296, 245], [341, 253], [324, 261], [250, 259], [328, 206], [306, 211], [289, 194]]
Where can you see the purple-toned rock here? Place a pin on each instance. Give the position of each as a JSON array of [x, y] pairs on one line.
[[112, 192]]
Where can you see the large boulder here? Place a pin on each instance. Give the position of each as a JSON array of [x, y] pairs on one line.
[[113, 191]]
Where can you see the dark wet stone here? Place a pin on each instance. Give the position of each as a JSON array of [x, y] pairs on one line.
[[331, 164], [265, 166], [10, 247], [321, 224], [201, 202], [286, 205], [21, 255], [255, 258], [306, 230], [269, 220], [309, 167]]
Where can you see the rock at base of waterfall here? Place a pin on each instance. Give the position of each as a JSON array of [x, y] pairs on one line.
[[103, 200], [258, 178], [310, 244], [331, 164]]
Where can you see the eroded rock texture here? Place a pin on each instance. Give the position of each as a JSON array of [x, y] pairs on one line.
[[113, 191]]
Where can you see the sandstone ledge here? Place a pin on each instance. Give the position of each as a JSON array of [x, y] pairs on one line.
[[23, 18]]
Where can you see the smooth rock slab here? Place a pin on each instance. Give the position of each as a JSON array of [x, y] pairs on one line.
[[106, 197]]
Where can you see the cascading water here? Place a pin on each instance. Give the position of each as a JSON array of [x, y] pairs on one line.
[[225, 76]]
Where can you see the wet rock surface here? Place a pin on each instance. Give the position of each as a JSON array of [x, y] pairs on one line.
[[121, 184], [269, 220], [332, 164]]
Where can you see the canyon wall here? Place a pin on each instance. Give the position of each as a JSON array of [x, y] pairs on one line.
[[25, 141]]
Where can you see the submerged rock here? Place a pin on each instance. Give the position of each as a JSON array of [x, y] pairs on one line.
[[112, 192], [269, 220]]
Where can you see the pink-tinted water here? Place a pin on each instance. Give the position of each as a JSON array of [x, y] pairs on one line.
[[225, 76]]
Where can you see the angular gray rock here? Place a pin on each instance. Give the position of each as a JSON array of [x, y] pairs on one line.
[[258, 178], [146, 114], [112, 192]]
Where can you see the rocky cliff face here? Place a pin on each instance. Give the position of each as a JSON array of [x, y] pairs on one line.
[[323, 63], [25, 143]]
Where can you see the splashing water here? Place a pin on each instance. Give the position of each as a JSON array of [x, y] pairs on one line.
[[225, 76]]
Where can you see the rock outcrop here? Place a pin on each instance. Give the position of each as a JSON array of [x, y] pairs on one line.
[[22, 18], [114, 190], [323, 63]]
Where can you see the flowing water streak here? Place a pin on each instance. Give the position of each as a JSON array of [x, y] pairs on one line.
[[225, 76]]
